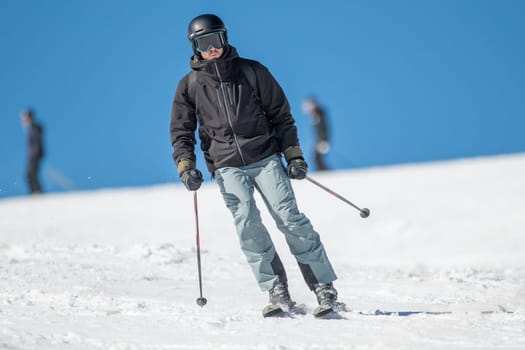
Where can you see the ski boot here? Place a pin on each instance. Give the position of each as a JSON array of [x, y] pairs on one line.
[[281, 304], [327, 298]]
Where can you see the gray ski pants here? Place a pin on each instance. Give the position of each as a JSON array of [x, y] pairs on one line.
[[268, 176]]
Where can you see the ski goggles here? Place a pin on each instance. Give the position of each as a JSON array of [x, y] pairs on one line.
[[205, 42]]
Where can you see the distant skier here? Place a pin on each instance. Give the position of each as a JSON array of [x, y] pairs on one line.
[[245, 126], [322, 142], [35, 150]]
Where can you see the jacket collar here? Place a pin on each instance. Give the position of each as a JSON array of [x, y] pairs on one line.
[[223, 64]]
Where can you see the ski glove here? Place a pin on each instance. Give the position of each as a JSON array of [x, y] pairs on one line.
[[191, 177], [297, 169]]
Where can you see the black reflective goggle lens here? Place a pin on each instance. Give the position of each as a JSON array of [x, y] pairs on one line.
[[206, 42]]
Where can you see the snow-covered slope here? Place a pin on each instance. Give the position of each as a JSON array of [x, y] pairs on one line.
[[117, 269]]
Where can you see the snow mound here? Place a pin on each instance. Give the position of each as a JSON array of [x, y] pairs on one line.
[[442, 256]]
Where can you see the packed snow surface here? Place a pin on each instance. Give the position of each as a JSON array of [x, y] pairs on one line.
[[443, 250]]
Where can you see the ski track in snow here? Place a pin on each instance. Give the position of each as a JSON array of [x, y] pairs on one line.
[[139, 291]]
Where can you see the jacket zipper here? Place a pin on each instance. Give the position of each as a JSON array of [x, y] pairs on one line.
[[228, 112]]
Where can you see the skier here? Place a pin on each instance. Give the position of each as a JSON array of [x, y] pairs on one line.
[[322, 143], [244, 128], [35, 150]]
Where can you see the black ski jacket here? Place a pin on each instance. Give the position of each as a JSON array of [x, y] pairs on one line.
[[34, 142], [237, 125]]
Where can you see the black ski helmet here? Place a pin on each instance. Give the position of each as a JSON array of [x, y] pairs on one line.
[[205, 24]]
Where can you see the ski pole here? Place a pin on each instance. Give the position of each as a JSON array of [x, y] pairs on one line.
[[365, 212], [201, 301]]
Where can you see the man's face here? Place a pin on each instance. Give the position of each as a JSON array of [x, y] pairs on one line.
[[26, 120], [212, 53]]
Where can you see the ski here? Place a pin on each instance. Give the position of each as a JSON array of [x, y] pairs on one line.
[[327, 313], [406, 313], [272, 310], [320, 312]]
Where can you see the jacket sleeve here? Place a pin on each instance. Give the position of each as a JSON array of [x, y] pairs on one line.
[[276, 107], [183, 123]]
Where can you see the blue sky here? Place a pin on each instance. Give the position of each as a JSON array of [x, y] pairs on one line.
[[402, 81]]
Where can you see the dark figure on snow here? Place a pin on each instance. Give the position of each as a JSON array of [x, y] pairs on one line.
[[35, 150], [245, 127], [322, 142]]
